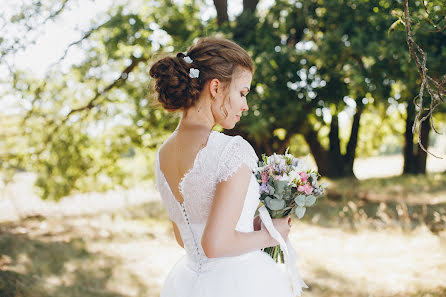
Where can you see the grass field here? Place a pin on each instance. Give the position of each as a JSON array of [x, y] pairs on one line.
[[373, 237]]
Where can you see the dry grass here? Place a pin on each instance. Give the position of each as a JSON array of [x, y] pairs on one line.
[[350, 245], [108, 254]]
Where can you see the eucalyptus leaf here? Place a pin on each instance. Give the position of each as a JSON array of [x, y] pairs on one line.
[[275, 204], [278, 196], [300, 211], [309, 200], [271, 189], [287, 193], [300, 200], [280, 185]]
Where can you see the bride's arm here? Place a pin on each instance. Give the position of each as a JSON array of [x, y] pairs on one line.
[[220, 238], [177, 234]]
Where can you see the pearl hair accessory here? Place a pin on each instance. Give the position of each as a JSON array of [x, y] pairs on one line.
[[187, 59], [194, 73]]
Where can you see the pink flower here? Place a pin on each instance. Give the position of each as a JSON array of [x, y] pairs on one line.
[[303, 176], [264, 176], [307, 188]]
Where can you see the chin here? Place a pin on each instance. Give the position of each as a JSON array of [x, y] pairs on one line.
[[228, 126]]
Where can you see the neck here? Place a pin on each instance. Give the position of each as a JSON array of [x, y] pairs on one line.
[[199, 115]]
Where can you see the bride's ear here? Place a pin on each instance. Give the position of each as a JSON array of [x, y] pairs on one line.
[[214, 87]]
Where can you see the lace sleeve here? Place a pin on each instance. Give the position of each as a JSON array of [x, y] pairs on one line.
[[236, 152]]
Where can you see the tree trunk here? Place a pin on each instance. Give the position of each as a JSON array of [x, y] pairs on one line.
[[414, 156], [319, 153], [250, 5], [335, 145], [350, 155], [409, 156], [421, 156], [332, 163], [222, 11]]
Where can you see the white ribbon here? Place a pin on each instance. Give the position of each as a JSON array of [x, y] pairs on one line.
[[289, 253]]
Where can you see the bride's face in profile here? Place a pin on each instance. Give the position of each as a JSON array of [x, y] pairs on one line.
[[233, 99]]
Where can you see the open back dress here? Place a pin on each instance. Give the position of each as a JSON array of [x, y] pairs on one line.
[[252, 274]]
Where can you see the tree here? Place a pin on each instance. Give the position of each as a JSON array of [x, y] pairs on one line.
[[434, 14], [81, 122], [316, 61], [294, 86]]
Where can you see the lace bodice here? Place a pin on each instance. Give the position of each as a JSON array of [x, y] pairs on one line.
[[216, 162]]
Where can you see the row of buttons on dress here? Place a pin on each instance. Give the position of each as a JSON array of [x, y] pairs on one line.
[[195, 242]]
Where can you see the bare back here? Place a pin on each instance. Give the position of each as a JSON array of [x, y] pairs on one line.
[[178, 153]]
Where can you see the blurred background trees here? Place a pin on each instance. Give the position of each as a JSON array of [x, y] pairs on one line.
[[333, 78]]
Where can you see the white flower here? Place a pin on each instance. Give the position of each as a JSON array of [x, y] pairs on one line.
[[260, 168], [275, 159], [294, 175], [301, 166], [194, 73], [290, 178], [284, 177], [289, 157], [188, 59], [271, 159]]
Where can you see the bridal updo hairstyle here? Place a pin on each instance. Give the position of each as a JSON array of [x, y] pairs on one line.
[[213, 57]]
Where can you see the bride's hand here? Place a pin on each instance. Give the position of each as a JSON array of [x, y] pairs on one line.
[[283, 225]]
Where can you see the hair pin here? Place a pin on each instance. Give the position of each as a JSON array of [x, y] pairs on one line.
[[194, 73]]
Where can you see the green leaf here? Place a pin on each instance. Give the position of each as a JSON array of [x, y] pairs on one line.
[[309, 200], [275, 204], [393, 26], [287, 194], [300, 211], [300, 200], [271, 189], [278, 196], [280, 185]]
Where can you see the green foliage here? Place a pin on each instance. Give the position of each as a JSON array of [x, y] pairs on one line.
[[314, 60]]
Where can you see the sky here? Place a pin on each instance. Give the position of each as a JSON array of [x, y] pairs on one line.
[[54, 37], [70, 25]]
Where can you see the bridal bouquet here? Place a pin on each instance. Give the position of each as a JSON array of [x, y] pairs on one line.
[[287, 186]]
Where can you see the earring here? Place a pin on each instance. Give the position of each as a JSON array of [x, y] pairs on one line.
[[213, 98]]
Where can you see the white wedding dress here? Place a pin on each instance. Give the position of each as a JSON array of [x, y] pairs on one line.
[[253, 274]]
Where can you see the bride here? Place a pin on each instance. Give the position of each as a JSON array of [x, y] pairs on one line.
[[206, 178]]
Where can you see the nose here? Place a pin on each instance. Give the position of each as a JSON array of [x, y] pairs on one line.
[[245, 106]]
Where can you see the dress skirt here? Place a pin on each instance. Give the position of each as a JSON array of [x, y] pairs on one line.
[[253, 274]]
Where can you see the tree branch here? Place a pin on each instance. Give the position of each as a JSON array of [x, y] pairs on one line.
[[122, 78], [118, 82], [57, 12], [85, 36], [427, 81], [19, 44]]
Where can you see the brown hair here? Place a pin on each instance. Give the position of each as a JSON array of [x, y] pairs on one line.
[[213, 57]]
